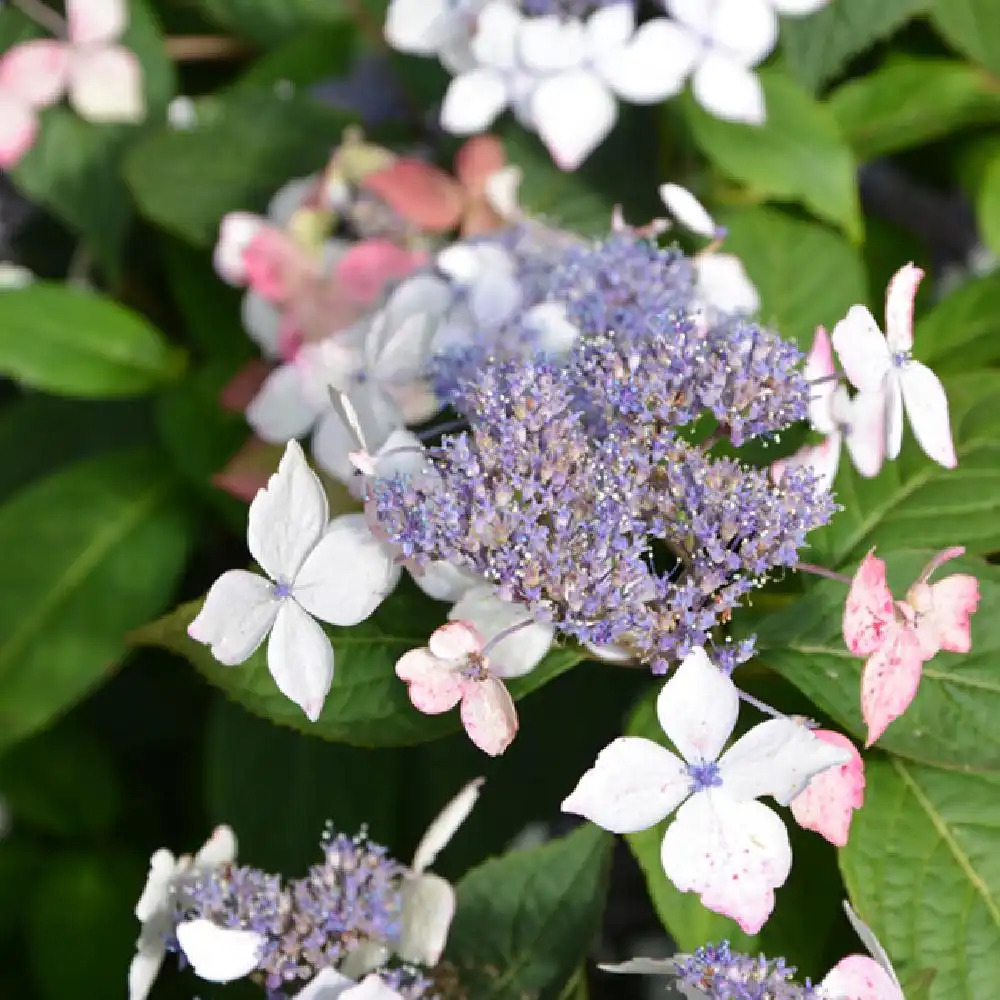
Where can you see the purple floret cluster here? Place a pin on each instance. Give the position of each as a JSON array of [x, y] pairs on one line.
[[581, 490]]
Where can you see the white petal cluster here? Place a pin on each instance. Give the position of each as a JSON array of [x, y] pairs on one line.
[[563, 76]]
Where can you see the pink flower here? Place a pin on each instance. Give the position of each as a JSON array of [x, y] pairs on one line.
[[859, 977], [104, 80], [436, 202], [452, 669], [828, 802], [898, 637]]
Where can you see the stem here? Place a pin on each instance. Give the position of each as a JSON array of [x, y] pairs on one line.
[[828, 574], [442, 428], [43, 15], [205, 48], [500, 636], [761, 706]]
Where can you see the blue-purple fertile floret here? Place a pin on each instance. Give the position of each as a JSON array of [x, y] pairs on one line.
[[574, 491], [352, 897], [720, 973]]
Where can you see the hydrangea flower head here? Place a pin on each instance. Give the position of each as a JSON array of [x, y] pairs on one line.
[[574, 477]]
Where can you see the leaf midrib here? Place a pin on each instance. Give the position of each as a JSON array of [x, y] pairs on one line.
[[945, 833]]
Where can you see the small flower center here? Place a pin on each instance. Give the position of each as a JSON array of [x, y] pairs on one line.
[[704, 775], [901, 358], [281, 590], [475, 668]]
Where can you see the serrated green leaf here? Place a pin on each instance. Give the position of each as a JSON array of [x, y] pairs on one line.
[[524, 922], [952, 721], [972, 27], [250, 143], [914, 501], [74, 342], [305, 780], [367, 705], [962, 332], [272, 21], [773, 245], [818, 47], [909, 102], [813, 884], [923, 870], [89, 553], [798, 154]]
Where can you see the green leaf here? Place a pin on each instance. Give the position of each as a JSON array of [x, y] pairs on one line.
[[74, 342], [321, 53], [367, 705], [209, 308], [962, 332], [972, 27], [246, 145], [569, 199], [952, 721], [62, 782], [813, 886], [524, 922], [798, 154], [910, 101], [39, 434], [922, 869], [271, 21], [89, 553], [201, 437], [305, 780], [74, 170], [81, 928], [914, 501], [818, 47], [795, 298], [988, 205]]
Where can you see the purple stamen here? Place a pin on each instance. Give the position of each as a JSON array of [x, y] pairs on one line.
[[704, 775]]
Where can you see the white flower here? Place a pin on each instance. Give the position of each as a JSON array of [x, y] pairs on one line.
[[719, 42], [329, 984], [154, 907], [722, 281], [219, 954], [335, 571], [723, 844], [428, 899], [883, 367], [858, 422], [517, 653], [433, 27], [561, 76]]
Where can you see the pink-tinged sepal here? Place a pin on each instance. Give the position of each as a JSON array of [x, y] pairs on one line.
[[828, 803]]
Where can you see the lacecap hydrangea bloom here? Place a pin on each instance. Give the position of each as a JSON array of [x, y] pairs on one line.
[[358, 911], [585, 489]]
